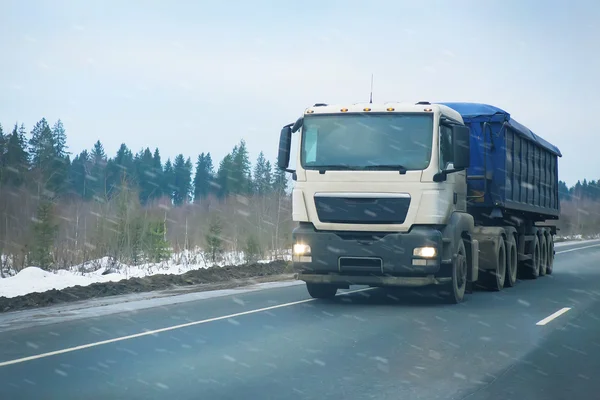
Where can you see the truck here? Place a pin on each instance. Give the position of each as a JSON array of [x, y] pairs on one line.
[[458, 195]]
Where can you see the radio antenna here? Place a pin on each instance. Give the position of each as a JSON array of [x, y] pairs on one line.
[[371, 96]]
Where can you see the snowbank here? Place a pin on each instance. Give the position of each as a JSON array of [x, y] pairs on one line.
[[34, 279]]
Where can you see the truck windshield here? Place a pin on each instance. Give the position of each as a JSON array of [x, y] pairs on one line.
[[364, 141]]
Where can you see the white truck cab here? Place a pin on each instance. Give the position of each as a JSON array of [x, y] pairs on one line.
[[380, 196]]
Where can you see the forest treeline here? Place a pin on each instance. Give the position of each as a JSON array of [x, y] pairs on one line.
[[58, 209]]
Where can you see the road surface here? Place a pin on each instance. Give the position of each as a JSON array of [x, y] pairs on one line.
[[539, 340]]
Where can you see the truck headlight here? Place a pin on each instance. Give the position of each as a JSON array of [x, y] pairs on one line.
[[301, 249], [425, 252]]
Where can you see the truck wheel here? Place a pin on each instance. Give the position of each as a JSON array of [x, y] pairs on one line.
[[550, 259], [543, 255], [532, 266], [494, 267], [511, 261], [321, 291], [455, 292]]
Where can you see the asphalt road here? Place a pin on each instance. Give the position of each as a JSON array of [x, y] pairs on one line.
[[368, 344]]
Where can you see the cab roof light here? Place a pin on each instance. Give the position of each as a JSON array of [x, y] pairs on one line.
[[390, 109], [367, 109], [344, 110]]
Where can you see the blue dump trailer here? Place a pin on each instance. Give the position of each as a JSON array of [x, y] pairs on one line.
[[414, 194], [513, 172]]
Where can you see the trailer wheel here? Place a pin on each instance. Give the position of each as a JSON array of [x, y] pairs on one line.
[[455, 292], [511, 261], [543, 255], [321, 291], [550, 259], [494, 266], [532, 266]]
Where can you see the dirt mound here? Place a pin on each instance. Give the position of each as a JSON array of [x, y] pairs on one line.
[[146, 284]]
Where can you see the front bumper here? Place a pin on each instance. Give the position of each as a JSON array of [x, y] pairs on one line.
[[386, 256], [347, 280]]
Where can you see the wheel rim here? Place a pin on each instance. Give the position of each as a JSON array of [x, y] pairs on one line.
[[543, 259], [536, 259], [461, 271], [502, 265], [513, 262]]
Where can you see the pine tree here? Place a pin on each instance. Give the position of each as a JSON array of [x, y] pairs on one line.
[[96, 178], [98, 154], [156, 246], [157, 169], [214, 241], [168, 186], [3, 143], [79, 175], [42, 145], [59, 139], [145, 176], [119, 168], [223, 180], [49, 156], [241, 169], [183, 180], [203, 177], [262, 175], [280, 181], [44, 232], [16, 158]]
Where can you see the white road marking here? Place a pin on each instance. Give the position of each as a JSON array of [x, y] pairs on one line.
[[169, 328], [578, 248], [553, 316]]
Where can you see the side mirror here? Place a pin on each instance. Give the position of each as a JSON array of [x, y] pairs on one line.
[[285, 143], [461, 139]]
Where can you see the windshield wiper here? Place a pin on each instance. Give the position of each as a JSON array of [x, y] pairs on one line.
[[323, 168], [396, 167]]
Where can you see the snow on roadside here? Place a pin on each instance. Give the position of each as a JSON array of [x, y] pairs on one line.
[[34, 279]]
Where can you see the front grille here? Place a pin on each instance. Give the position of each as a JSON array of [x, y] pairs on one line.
[[362, 210]]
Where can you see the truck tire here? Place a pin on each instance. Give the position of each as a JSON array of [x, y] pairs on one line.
[[543, 255], [454, 293], [511, 261], [550, 259], [531, 268], [493, 265], [321, 291]]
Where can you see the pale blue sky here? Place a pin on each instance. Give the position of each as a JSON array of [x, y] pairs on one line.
[[198, 76]]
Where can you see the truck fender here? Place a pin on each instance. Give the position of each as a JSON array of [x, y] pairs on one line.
[[459, 226], [489, 238]]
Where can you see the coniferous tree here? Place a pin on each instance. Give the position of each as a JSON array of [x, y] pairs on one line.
[[280, 181], [16, 160], [96, 178], [145, 176], [169, 179], [203, 177], [157, 169], [44, 231], [3, 140], [262, 176], [79, 175], [183, 180], [241, 170], [224, 180]]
